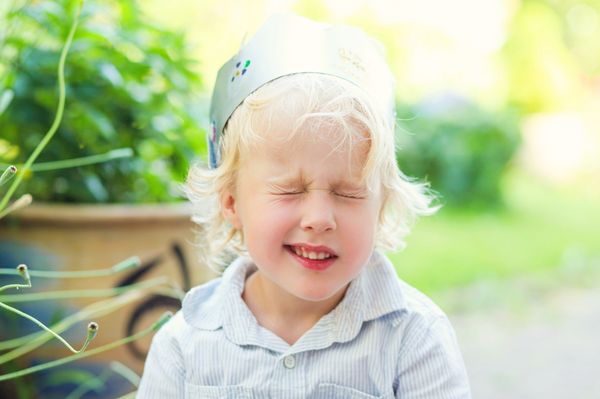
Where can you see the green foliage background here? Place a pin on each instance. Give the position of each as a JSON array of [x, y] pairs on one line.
[[459, 148], [130, 84]]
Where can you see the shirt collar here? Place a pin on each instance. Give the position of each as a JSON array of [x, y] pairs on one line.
[[375, 292], [203, 306]]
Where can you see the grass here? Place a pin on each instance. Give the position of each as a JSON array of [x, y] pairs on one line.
[[540, 228]]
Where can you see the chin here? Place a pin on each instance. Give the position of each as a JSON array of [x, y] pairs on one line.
[[318, 295]]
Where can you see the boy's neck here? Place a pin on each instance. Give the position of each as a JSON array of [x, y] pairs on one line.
[[284, 314]]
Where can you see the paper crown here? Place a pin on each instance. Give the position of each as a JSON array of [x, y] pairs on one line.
[[289, 44]]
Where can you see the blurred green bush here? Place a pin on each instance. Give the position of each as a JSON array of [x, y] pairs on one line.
[[129, 84], [458, 147]]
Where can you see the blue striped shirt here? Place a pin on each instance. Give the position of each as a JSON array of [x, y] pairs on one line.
[[384, 339]]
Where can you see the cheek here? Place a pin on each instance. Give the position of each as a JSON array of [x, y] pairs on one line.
[[360, 227], [266, 218]]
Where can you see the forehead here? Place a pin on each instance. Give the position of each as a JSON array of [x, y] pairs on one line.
[[319, 142], [291, 123]]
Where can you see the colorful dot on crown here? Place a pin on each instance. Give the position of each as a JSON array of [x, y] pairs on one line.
[[244, 69]]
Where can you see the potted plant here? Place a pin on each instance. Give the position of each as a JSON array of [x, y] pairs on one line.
[[130, 129]]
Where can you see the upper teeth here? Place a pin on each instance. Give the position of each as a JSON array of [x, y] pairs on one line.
[[310, 254]]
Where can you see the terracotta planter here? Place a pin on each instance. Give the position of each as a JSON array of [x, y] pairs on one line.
[[87, 237]]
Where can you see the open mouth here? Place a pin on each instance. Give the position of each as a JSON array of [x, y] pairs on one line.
[[315, 260], [314, 255]]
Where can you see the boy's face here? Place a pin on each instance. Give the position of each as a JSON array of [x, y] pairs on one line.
[[292, 198]]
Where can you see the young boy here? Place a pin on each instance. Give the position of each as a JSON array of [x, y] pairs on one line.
[[303, 196]]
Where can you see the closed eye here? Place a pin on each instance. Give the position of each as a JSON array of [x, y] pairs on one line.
[[358, 195], [288, 193], [349, 195]]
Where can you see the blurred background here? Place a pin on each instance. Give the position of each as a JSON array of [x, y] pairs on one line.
[[498, 103]]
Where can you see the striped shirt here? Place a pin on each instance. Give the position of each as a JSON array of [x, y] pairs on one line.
[[384, 339]]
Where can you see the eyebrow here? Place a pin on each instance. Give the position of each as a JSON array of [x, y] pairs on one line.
[[297, 180]]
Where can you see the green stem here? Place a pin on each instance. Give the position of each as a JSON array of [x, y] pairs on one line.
[[17, 286], [24, 273], [82, 161], [127, 264], [89, 353], [57, 118], [125, 372], [104, 292], [43, 326], [130, 395], [115, 367], [22, 202], [89, 385], [96, 310]]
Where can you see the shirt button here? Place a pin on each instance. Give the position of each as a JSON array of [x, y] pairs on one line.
[[289, 362]]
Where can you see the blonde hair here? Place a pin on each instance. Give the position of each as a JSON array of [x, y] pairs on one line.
[[327, 101]]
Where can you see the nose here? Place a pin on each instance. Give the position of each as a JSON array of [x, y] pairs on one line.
[[318, 212]]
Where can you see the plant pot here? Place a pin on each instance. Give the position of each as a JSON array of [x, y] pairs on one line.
[[89, 237]]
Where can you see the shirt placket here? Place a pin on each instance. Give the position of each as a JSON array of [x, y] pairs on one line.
[[290, 376]]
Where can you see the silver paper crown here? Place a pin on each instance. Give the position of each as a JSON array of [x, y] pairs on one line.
[[288, 44]]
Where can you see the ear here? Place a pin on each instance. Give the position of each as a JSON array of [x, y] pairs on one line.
[[229, 208]]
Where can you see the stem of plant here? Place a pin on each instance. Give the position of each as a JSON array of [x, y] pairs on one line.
[[92, 328], [82, 161], [22, 202], [44, 296], [96, 310], [127, 264], [16, 286], [59, 112], [116, 368], [157, 325], [125, 372], [91, 384], [23, 272], [130, 395]]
